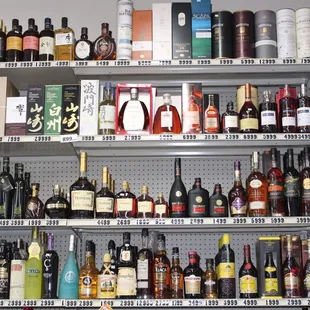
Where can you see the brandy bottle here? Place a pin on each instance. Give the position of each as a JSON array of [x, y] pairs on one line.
[[125, 203], [57, 207], [161, 208], [176, 276], [211, 117], [288, 111], [83, 48], [305, 184], [35, 207], [210, 281], [303, 111], [268, 114], [145, 204], [104, 46], [230, 119]]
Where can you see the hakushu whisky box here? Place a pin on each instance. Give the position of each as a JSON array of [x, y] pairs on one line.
[[264, 246], [89, 107], [201, 29], [35, 110], [142, 44], [162, 31], [181, 31], [70, 117], [52, 114], [16, 112]]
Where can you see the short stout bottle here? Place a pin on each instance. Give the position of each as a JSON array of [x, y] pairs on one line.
[[230, 119], [35, 207], [14, 43], [210, 281], [57, 207], [161, 208], [145, 204], [306, 274], [47, 42], [198, 200], [125, 203], [271, 277], [176, 276], [288, 111], [303, 111], [83, 49], [268, 114], [31, 42], [305, 184], [218, 203], [104, 45], [211, 121]]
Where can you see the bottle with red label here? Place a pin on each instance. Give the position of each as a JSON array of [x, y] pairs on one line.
[[198, 200], [31, 42], [288, 108], [218, 203]]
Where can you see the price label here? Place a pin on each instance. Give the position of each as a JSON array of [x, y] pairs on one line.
[[42, 139], [195, 302], [258, 220], [34, 222], [127, 303], [267, 61], [250, 137], [160, 221], [13, 139], [123, 222], [226, 62], [81, 63], [88, 138], [177, 303], [103, 222], [277, 220], [294, 302], [143, 222], [102, 63], [133, 138], [232, 137], [10, 65], [43, 64], [144, 63], [196, 221], [144, 303], [26, 64], [289, 61], [62, 63], [212, 302], [230, 302], [107, 302], [71, 303], [185, 62], [297, 137], [250, 302], [14, 303], [29, 303], [85, 303], [247, 61], [189, 137], [165, 62], [161, 303], [211, 137], [239, 220], [220, 221], [303, 220], [47, 303], [177, 222], [4, 222], [204, 62], [272, 302], [108, 138], [122, 63], [68, 138], [305, 61], [17, 222], [52, 222], [269, 137], [165, 137]]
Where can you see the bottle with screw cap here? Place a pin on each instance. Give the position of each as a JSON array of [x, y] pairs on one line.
[[83, 49]]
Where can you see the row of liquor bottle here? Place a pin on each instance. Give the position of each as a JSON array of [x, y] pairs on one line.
[[273, 194]]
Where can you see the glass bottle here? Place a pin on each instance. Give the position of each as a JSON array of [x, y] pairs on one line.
[[127, 263], [104, 46], [268, 114], [134, 115], [176, 276], [167, 118], [237, 196], [33, 269], [14, 43], [69, 279], [198, 200], [271, 277], [193, 282], [306, 274], [178, 200], [257, 187], [111, 248], [230, 119], [104, 198], [107, 110], [18, 207], [4, 272], [35, 207], [211, 117], [64, 41], [218, 203], [50, 270], [2, 42], [226, 270], [161, 208], [88, 274], [57, 207], [303, 111], [288, 111], [248, 276], [210, 281], [83, 48], [82, 193], [28, 187], [31, 42], [191, 114], [305, 184], [248, 114], [145, 204], [47, 42], [275, 188], [291, 273], [43, 241], [291, 186], [145, 280], [161, 270], [125, 203]]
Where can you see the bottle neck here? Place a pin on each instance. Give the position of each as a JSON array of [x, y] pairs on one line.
[[144, 242], [177, 169], [90, 258], [161, 247], [105, 31], [6, 168], [209, 267], [193, 261], [84, 36], [112, 252], [175, 260], [247, 255], [50, 244], [35, 193]]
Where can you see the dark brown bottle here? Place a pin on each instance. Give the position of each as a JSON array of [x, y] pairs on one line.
[[31, 42], [230, 119], [303, 111], [198, 200], [125, 203], [218, 203], [83, 49], [305, 184], [288, 111], [104, 46], [176, 276], [47, 42], [14, 43], [2, 42], [35, 207], [57, 207]]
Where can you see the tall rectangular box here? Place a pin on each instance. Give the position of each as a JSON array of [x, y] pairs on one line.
[[142, 35], [201, 29], [162, 31], [89, 107], [181, 31], [70, 117], [15, 121], [52, 114], [35, 110]]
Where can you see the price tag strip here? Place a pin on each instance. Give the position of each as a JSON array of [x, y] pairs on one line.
[[34, 222]]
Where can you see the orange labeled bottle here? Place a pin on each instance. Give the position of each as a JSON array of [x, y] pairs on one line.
[[211, 117]]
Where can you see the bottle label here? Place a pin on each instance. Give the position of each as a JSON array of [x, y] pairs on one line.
[[178, 207], [249, 123], [160, 209], [231, 121], [4, 282], [226, 271], [238, 207], [306, 184], [17, 285], [291, 186], [268, 118], [198, 209], [161, 276], [86, 286], [166, 119], [210, 287], [145, 206], [143, 272], [56, 206], [219, 208], [106, 287], [303, 117], [248, 285], [211, 123], [256, 184], [175, 281], [14, 43], [47, 46], [104, 204], [257, 205], [192, 285], [70, 277], [275, 190], [307, 282], [31, 43], [64, 39], [107, 117], [291, 281], [82, 200], [126, 282], [125, 256], [134, 116], [271, 286], [124, 204], [288, 121], [190, 119], [82, 50]]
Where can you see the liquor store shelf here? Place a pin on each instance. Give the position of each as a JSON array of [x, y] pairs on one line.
[[154, 303]]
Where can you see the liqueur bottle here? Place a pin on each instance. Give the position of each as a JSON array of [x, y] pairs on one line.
[[230, 119], [83, 48], [161, 208], [306, 274], [291, 273], [111, 248], [271, 277], [305, 184], [210, 281], [288, 111], [237, 196], [19, 197], [47, 42], [176, 276], [211, 117], [2, 42], [268, 114], [106, 282], [167, 118], [14, 43], [104, 46], [257, 186], [198, 200], [161, 270], [31, 42], [35, 207], [88, 274], [248, 276], [82, 193], [64, 41], [145, 204], [57, 207], [218, 203], [125, 203], [178, 196], [303, 111], [276, 204], [4, 272]]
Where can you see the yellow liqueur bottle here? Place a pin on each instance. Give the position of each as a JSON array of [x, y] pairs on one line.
[[106, 282]]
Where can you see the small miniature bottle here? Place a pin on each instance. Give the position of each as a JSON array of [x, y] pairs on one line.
[[83, 49], [210, 281], [145, 204], [161, 208], [211, 117]]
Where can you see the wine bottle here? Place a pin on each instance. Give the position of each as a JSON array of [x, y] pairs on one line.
[[4, 272], [305, 184], [18, 208], [306, 273]]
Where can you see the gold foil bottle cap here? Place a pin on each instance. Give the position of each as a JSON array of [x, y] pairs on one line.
[[83, 162], [94, 182], [145, 190], [160, 195], [107, 258], [248, 90], [125, 186]]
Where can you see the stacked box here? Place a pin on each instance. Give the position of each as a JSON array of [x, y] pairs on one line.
[[15, 121]]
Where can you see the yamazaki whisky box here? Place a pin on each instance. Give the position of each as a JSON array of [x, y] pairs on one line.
[[70, 117], [52, 114], [15, 121], [35, 110]]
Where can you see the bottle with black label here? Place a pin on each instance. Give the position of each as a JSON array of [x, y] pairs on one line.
[[198, 200], [218, 203], [4, 272]]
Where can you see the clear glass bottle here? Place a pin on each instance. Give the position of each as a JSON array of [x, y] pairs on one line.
[[64, 41], [83, 48], [161, 208], [211, 121], [145, 204], [57, 207], [47, 42], [268, 114], [125, 203], [35, 207], [31, 42], [230, 119], [176, 276], [210, 281], [104, 45]]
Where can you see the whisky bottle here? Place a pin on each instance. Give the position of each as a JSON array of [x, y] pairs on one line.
[[31, 42], [47, 42], [303, 111], [145, 204], [268, 114], [83, 48], [211, 122], [271, 277], [106, 282], [64, 42], [57, 207], [35, 207], [125, 203], [230, 119], [218, 203], [198, 200], [104, 46], [210, 281], [14, 43], [161, 208], [176, 276]]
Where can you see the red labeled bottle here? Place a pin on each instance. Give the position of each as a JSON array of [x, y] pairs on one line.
[[288, 108], [31, 42], [125, 203]]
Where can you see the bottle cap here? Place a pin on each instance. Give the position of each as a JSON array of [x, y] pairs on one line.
[[31, 22], [175, 250], [6, 160], [237, 165], [111, 245], [64, 22], [126, 236], [230, 105], [47, 20], [145, 232], [210, 261], [104, 25], [167, 98], [15, 22], [197, 180], [107, 258], [144, 190], [107, 85], [161, 237], [134, 91], [84, 30], [90, 246], [160, 195]]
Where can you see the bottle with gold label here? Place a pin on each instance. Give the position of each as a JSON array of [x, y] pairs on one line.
[[176, 276], [106, 281], [271, 279], [35, 207], [306, 274], [145, 204], [125, 203], [210, 281], [14, 43], [64, 41], [248, 276], [82, 193], [88, 274]]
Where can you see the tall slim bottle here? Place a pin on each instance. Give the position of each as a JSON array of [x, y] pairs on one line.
[[31, 42], [4, 272], [19, 198], [47, 42], [306, 274], [176, 276], [303, 111], [305, 184], [271, 277], [14, 43], [288, 111]]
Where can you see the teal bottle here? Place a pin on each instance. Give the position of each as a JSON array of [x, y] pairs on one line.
[[69, 280]]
